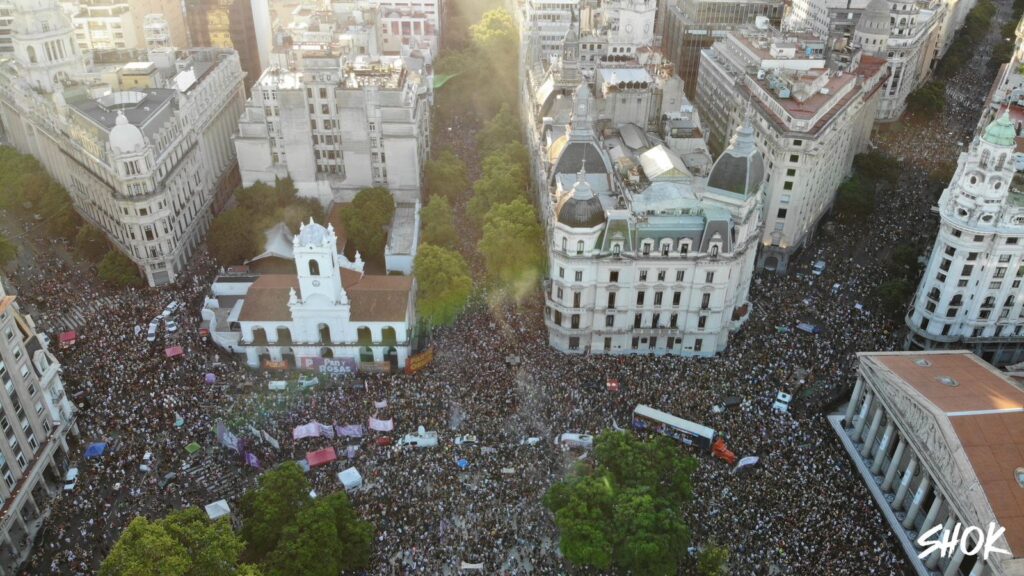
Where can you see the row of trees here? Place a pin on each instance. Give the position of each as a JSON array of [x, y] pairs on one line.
[[855, 198], [483, 68], [500, 213], [237, 234], [285, 532], [625, 511]]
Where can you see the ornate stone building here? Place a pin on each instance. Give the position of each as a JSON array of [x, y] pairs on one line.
[[937, 438]]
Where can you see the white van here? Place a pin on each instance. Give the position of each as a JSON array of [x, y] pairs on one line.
[[151, 333], [422, 439], [818, 268], [574, 440]]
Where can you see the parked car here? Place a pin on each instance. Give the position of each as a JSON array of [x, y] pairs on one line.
[[818, 268], [574, 440], [170, 309], [71, 479], [466, 439], [167, 479], [422, 439], [151, 332], [172, 326]]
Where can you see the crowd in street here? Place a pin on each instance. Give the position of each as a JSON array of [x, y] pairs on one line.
[[801, 510]]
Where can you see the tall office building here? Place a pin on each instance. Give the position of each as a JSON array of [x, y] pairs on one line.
[[120, 24], [36, 417], [241, 25], [692, 25], [811, 118]]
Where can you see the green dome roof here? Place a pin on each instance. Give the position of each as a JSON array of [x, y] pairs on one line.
[[1001, 132]]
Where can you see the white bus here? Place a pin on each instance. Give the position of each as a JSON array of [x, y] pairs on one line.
[[689, 433]]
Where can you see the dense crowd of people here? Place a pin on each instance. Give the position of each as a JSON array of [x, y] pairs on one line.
[[494, 377]]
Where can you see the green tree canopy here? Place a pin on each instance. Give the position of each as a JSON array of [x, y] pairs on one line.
[[713, 560], [91, 243], [296, 535], [233, 238], [495, 41], [513, 245], [260, 198], [611, 516], [929, 99], [445, 175], [366, 221], [272, 506], [116, 269], [855, 199], [444, 284], [894, 297], [438, 223], [503, 180], [500, 130], [8, 251], [184, 543]]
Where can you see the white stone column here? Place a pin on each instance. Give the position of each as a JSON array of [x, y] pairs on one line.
[[915, 505], [252, 357], [858, 389], [869, 440], [883, 447], [908, 475], [933, 559], [894, 464], [953, 568], [862, 418], [933, 513]]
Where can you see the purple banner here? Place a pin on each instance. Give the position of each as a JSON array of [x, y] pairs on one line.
[[252, 460], [306, 431], [326, 430]]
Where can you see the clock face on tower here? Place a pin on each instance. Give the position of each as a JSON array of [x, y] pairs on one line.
[[316, 283]]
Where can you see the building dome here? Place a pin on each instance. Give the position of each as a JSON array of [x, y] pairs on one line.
[[875, 19], [126, 137], [1001, 132], [580, 208], [740, 169], [312, 234]]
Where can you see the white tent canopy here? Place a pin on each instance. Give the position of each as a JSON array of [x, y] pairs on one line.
[[350, 478], [218, 509]]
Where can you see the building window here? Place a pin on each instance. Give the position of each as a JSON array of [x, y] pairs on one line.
[[679, 275], [565, 244], [561, 272], [579, 275], [673, 320], [709, 277], [314, 268], [705, 301], [607, 343], [640, 298], [655, 321], [611, 300], [698, 344], [702, 321], [579, 248], [781, 213], [609, 321], [637, 319], [576, 297], [676, 296], [647, 249], [558, 294], [613, 276], [574, 321], [574, 343], [643, 275]]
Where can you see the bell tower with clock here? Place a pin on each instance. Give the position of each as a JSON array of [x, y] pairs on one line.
[[317, 264]]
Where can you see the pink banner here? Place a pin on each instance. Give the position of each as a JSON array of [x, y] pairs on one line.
[[382, 425]]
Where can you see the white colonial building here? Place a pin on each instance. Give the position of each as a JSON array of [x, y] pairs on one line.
[[936, 438], [970, 296], [810, 117], [645, 257], [302, 303]]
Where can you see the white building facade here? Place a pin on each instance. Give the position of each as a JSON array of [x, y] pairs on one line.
[[328, 311], [655, 263], [145, 165], [337, 125], [969, 295], [810, 121], [36, 417]]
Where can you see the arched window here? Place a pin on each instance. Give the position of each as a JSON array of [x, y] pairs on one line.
[[714, 250], [565, 244], [314, 268], [32, 54], [579, 247]]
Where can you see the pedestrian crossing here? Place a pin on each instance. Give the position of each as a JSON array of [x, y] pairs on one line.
[[81, 314]]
